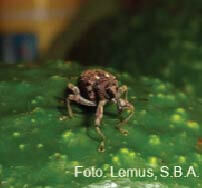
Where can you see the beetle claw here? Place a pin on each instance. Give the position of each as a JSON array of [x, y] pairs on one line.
[[101, 147], [123, 131]]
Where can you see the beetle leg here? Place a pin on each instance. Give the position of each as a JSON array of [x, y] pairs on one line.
[[121, 124], [80, 100], [124, 122], [123, 90], [74, 89], [99, 115], [121, 130], [69, 107], [77, 98]]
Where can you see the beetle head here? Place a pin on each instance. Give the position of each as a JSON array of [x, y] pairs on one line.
[[112, 91]]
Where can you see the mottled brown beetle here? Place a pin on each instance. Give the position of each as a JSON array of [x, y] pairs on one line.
[[96, 88]]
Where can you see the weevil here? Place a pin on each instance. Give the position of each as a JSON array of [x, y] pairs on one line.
[[96, 88]]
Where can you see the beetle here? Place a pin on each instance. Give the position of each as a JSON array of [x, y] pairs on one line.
[[96, 88]]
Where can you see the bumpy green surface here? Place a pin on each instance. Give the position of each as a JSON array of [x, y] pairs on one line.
[[40, 145]]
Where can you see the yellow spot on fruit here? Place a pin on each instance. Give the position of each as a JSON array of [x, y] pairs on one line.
[[34, 101], [154, 140], [160, 95], [193, 124], [182, 159], [132, 154], [143, 112], [153, 161], [161, 87], [115, 159], [151, 95], [124, 150], [37, 109], [21, 146], [182, 95], [67, 134], [106, 167], [180, 110], [40, 146], [57, 155], [56, 77], [176, 118], [170, 97], [33, 120], [75, 163], [16, 134]]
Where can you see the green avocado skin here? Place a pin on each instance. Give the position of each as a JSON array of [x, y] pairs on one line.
[[40, 146]]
